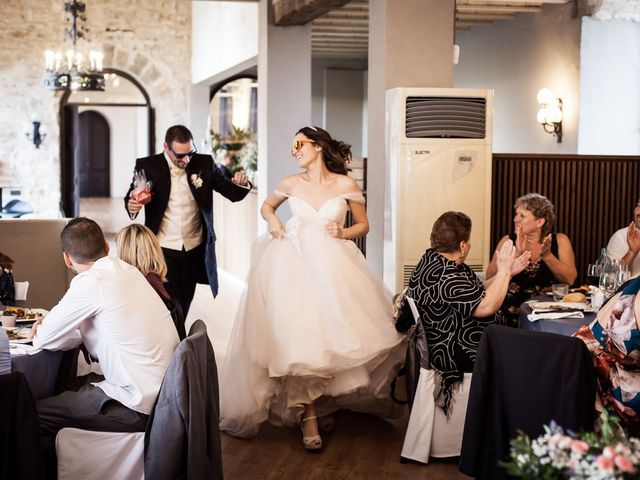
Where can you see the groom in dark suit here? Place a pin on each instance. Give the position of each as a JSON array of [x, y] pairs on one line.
[[180, 211]]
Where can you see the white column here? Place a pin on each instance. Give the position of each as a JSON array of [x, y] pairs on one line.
[[410, 45], [609, 94], [284, 99], [198, 116]]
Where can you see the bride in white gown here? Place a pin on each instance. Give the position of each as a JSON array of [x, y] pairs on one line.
[[314, 332]]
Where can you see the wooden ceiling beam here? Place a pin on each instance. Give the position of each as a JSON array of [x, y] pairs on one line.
[[301, 12], [364, 36], [335, 20], [496, 9], [483, 16]]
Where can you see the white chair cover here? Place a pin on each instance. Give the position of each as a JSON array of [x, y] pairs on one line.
[[86, 454], [430, 432], [21, 289]]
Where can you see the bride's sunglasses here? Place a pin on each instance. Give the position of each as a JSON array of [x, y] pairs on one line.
[[297, 145]]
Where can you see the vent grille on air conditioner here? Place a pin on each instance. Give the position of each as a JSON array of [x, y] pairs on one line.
[[446, 117]]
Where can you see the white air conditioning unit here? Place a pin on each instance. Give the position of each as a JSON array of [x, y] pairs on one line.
[[438, 148]]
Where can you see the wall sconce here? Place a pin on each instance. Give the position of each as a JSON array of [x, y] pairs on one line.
[[36, 136], [550, 113]]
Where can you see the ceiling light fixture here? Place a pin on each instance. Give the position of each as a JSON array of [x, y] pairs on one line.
[[74, 70]]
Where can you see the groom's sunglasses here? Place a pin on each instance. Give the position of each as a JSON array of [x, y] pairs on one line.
[[180, 156]]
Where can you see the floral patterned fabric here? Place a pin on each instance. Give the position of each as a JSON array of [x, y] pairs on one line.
[[616, 355], [528, 283]]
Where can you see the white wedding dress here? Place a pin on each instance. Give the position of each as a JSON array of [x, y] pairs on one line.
[[314, 324]]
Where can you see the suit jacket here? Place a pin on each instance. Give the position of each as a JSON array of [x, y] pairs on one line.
[[157, 171], [183, 437]]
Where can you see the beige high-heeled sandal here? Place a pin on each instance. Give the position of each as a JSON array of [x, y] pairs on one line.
[[313, 442]]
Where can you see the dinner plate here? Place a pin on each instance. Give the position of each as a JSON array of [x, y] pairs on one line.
[[560, 305], [41, 311], [23, 335]]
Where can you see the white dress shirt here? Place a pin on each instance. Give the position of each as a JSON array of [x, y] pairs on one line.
[[123, 322], [618, 248], [181, 223]]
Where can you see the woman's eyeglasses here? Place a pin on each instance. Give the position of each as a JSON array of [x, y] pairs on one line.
[[297, 145], [180, 156]]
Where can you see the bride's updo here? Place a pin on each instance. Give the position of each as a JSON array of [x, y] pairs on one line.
[[336, 154]]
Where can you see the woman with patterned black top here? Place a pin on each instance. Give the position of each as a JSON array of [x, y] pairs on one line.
[[454, 306], [552, 258]]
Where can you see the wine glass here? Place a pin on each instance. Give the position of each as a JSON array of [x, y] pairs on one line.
[[594, 271], [609, 281]]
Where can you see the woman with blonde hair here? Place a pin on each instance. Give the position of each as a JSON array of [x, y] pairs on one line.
[[138, 246], [551, 255]]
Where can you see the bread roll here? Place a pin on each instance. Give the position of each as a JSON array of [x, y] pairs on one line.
[[575, 297]]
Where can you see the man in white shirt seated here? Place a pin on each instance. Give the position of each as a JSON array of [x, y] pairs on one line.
[[624, 245], [112, 309]]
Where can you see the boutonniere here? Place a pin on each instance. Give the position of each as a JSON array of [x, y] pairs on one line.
[[196, 180]]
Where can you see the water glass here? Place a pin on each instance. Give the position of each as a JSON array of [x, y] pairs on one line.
[[559, 290], [624, 274], [609, 281]]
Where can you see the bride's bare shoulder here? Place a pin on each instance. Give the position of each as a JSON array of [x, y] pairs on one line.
[[288, 183], [347, 184]]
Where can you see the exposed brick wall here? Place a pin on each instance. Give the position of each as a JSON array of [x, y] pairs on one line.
[[150, 39]]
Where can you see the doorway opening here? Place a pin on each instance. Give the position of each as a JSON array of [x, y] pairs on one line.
[[101, 135]]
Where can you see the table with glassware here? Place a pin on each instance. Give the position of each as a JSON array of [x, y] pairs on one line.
[[562, 326]]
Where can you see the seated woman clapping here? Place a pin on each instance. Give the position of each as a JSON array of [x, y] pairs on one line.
[[138, 246], [454, 306], [552, 257]]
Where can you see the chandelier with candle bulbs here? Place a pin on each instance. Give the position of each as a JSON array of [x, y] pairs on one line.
[[74, 69]]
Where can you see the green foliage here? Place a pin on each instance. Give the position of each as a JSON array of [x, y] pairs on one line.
[[237, 151]]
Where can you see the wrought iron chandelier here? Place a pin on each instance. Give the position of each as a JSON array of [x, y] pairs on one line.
[[74, 70]]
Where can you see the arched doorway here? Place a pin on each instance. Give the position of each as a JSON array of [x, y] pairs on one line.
[[126, 108], [94, 155]]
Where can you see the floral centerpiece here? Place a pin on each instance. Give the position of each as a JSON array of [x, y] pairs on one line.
[[556, 454]]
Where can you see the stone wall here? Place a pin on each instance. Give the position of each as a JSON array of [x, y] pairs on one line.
[[150, 39]]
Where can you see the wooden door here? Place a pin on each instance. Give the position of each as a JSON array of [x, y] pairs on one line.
[[94, 154]]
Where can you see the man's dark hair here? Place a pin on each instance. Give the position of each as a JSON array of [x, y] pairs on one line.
[[177, 133], [82, 240]]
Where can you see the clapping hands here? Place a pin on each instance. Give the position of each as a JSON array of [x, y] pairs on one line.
[[506, 256], [633, 237]]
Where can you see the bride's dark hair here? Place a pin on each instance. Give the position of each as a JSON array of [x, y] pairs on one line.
[[336, 154]]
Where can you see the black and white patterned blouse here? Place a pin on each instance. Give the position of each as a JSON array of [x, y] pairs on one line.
[[446, 294]]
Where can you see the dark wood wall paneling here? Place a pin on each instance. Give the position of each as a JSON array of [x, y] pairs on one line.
[[593, 196]]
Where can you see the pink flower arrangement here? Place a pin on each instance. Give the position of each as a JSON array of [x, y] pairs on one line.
[[556, 454]]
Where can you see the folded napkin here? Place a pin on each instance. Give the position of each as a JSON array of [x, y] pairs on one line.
[[539, 315], [23, 349]]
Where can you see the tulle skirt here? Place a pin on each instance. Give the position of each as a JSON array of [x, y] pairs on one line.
[[314, 325]]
